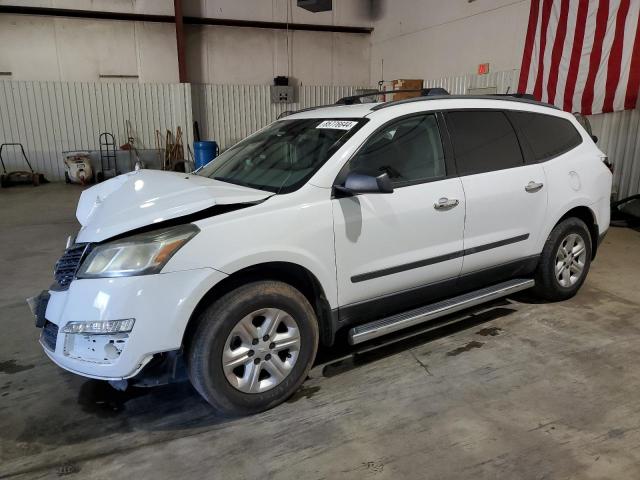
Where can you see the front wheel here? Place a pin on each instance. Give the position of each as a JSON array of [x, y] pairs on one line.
[[253, 347], [565, 260]]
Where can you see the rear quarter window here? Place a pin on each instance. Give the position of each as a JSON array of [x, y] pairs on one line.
[[483, 141], [545, 136]]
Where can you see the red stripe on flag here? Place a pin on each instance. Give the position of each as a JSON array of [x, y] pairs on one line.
[[528, 46], [576, 53], [634, 73], [596, 55], [544, 24], [615, 57], [556, 53]]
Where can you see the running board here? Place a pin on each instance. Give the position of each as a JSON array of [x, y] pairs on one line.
[[403, 320]]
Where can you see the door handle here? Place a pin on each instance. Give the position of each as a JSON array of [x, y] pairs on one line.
[[445, 204], [533, 187]]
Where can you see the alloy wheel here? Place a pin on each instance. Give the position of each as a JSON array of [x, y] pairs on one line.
[[261, 350], [570, 260]]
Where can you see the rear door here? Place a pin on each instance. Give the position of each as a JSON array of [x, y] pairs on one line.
[[506, 199]]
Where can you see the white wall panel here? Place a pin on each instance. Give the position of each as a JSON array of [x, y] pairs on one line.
[[619, 137], [460, 84], [228, 113], [51, 117]]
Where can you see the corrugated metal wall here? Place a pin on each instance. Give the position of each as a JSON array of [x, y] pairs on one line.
[[504, 82], [51, 117], [619, 136], [228, 113]]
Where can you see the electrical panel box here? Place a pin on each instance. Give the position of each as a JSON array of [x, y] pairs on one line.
[[283, 94]]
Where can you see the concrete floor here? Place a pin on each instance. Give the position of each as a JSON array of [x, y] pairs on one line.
[[526, 390]]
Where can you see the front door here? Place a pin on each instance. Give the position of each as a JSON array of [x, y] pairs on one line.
[[391, 247]]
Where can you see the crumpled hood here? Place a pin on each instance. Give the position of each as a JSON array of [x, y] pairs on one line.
[[145, 197]]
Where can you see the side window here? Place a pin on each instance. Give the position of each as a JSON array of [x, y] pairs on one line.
[[483, 141], [546, 136], [409, 151]]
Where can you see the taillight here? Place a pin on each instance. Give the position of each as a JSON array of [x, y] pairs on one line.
[[605, 160]]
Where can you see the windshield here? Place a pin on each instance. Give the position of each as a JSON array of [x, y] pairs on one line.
[[283, 156]]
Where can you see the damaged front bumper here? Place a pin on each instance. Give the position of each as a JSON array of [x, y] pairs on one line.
[[161, 305]]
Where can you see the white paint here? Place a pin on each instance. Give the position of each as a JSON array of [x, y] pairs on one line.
[[374, 232], [365, 231], [496, 202], [618, 132], [135, 199]]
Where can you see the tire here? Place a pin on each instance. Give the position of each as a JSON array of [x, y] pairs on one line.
[[225, 328], [66, 177], [554, 280]]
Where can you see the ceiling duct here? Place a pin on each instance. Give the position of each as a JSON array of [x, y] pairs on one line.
[[316, 5]]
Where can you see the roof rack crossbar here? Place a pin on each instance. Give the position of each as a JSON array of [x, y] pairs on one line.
[[424, 92], [427, 94]]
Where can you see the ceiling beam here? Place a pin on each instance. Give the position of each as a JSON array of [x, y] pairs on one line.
[[182, 62], [143, 17]]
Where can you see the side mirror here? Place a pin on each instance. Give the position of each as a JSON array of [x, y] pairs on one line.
[[356, 183]]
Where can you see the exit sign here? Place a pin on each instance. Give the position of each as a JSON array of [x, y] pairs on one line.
[[483, 69]]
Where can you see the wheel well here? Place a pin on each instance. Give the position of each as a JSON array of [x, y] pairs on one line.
[[586, 215], [290, 273]]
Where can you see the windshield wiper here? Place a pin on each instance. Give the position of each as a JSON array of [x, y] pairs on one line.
[[230, 180]]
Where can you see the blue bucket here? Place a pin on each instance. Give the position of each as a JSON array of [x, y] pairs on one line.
[[204, 152]]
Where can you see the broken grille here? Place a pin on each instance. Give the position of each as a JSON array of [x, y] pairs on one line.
[[66, 268], [50, 335]]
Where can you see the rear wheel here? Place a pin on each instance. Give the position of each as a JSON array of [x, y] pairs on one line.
[[253, 347], [565, 260]]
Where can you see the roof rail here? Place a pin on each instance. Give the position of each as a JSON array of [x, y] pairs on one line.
[[286, 113], [424, 92], [513, 97]]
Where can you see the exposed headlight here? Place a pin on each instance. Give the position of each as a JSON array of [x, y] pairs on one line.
[[97, 328], [141, 254]]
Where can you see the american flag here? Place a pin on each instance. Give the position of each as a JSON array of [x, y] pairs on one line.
[[583, 55]]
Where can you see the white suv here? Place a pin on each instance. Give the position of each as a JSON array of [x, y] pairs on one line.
[[363, 219]]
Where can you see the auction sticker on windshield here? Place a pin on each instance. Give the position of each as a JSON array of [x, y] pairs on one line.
[[337, 124]]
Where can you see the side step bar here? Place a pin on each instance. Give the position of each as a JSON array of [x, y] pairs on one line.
[[403, 320]]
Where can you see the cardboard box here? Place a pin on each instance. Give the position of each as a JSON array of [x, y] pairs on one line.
[[406, 84]]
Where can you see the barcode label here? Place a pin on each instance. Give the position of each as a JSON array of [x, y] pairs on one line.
[[337, 124]]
